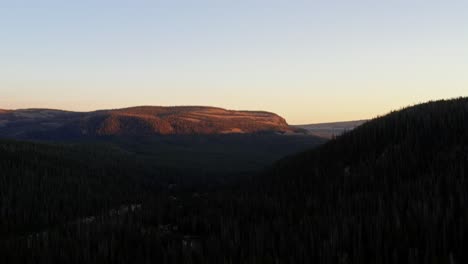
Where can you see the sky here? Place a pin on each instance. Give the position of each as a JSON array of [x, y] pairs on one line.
[[309, 61]]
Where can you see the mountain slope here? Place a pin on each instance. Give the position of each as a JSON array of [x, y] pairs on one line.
[[394, 189], [137, 121]]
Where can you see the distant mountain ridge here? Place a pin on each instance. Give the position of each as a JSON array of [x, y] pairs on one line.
[[137, 121], [328, 130]]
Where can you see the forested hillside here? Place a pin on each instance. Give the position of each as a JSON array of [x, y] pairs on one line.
[[46, 185], [391, 191]]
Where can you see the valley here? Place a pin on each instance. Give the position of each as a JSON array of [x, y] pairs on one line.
[[243, 198], [233, 132]]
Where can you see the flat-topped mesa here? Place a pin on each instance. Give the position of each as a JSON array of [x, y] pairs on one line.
[[186, 120], [140, 121]]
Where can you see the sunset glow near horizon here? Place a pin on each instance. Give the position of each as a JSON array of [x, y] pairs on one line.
[[308, 61]]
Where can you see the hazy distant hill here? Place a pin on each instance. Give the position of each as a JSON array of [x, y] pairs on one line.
[[135, 121], [328, 130]]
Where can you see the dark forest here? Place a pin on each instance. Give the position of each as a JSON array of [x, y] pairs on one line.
[[393, 190]]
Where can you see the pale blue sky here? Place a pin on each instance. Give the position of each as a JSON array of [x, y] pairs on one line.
[[309, 61]]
